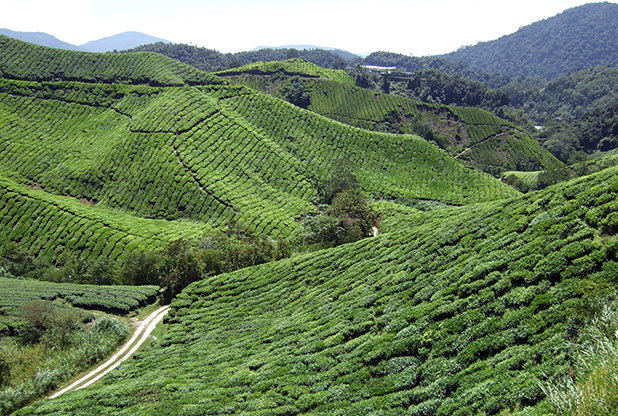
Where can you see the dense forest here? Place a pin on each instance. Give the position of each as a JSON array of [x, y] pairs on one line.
[[577, 38]]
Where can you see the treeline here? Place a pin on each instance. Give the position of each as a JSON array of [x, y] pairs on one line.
[[174, 267], [433, 86], [210, 60]]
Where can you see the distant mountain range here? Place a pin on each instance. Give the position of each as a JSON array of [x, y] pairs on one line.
[[121, 41], [578, 38]]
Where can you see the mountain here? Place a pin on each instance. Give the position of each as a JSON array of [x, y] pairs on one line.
[[126, 40], [210, 60], [121, 41], [578, 38], [479, 304], [39, 38]]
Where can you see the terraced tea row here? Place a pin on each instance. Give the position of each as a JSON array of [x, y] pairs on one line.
[[207, 154], [15, 293], [21, 60], [49, 224], [291, 67], [464, 311], [490, 143], [388, 165], [134, 158]]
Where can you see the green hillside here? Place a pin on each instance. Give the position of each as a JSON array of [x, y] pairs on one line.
[[210, 60], [574, 39], [15, 293], [462, 311], [475, 136], [295, 66], [21, 60], [48, 225], [210, 154]]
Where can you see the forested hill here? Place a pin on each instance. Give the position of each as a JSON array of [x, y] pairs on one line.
[[210, 60], [578, 38]]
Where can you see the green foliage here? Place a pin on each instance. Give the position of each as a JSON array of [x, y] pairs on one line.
[[352, 206], [340, 177], [490, 143], [552, 176], [290, 67], [26, 61], [461, 311], [51, 225], [210, 60], [593, 388], [574, 39], [349, 218], [38, 369], [432, 85], [297, 93], [15, 293]]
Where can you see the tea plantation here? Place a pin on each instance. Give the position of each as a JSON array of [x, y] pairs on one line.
[[191, 151], [462, 311], [475, 136]]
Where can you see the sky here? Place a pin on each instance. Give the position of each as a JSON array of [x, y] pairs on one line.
[[411, 27]]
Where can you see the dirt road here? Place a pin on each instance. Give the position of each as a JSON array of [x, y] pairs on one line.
[[141, 334]]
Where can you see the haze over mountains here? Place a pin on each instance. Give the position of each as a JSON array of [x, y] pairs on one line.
[[121, 41]]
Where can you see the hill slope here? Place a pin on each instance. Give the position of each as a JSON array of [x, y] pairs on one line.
[[207, 153], [474, 136], [22, 60], [460, 312], [578, 38]]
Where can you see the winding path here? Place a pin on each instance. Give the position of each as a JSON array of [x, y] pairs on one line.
[[140, 335]]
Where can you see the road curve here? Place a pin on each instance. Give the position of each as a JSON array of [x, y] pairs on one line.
[[140, 335]]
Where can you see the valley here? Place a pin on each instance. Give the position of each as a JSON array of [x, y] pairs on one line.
[[311, 240]]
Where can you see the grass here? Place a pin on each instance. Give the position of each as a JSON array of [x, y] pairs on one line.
[[592, 389]]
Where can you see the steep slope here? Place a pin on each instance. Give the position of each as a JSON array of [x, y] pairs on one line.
[[474, 136], [580, 37], [49, 224], [462, 311]]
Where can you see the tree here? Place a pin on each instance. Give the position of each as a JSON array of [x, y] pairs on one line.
[[351, 205], [179, 268], [292, 53], [140, 268], [297, 93], [15, 259], [348, 219], [341, 176], [553, 175]]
